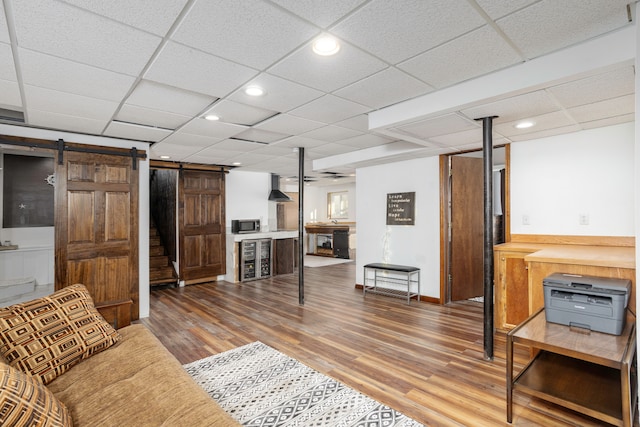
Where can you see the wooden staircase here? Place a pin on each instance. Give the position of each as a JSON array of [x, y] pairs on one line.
[[161, 271]]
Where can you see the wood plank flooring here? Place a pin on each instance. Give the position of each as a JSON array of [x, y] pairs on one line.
[[422, 359]]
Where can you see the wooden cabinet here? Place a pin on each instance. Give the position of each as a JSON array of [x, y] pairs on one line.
[[511, 288]]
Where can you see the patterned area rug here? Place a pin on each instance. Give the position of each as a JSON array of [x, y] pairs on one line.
[[259, 386]]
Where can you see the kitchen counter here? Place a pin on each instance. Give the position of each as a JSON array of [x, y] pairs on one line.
[[290, 234]]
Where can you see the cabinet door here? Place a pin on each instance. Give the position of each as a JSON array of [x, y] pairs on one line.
[[512, 293]]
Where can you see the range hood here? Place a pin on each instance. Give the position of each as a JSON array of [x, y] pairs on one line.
[[276, 195]]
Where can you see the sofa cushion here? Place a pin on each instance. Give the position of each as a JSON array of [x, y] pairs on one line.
[[25, 401], [47, 336]]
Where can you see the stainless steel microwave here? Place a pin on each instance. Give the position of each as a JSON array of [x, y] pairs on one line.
[[241, 226]]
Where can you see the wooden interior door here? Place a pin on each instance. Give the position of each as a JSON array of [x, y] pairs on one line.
[[467, 228], [96, 226], [201, 227]]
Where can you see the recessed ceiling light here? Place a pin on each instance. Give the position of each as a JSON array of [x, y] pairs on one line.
[[326, 45], [236, 163], [165, 157], [212, 117], [254, 91], [525, 124]]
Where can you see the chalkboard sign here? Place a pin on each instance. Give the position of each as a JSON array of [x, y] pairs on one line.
[[401, 208]]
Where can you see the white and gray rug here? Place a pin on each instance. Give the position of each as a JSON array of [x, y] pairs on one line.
[[323, 261], [259, 386]]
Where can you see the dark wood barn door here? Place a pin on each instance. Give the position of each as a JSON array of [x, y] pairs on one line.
[[96, 226], [201, 227]]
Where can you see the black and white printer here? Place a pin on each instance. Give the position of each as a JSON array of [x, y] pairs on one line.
[[589, 302]]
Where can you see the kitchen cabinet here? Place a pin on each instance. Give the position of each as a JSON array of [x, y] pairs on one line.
[[511, 288]]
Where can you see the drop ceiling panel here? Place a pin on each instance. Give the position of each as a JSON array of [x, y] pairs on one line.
[[68, 32], [331, 133], [329, 109], [237, 146], [365, 141], [300, 141], [471, 55], [515, 108], [255, 34], [141, 133], [498, 8], [554, 120], [176, 152], [7, 66], [611, 84], [4, 30], [147, 116], [546, 133], [549, 25], [441, 125], [68, 76], [281, 95], [275, 150], [321, 13], [327, 73], [47, 119], [240, 114], [396, 32], [10, 95], [285, 123], [611, 107], [331, 149], [154, 16], [457, 139], [360, 122], [187, 68], [259, 135], [165, 98], [181, 138], [609, 121], [384, 88], [68, 103], [199, 126]]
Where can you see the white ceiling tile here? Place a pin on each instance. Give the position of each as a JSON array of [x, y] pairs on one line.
[[285, 123], [300, 141], [322, 13], [609, 108], [237, 145], [366, 141], [360, 122], [175, 151], [68, 104], [261, 135], [514, 108], [332, 149], [397, 30], [60, 74], [471, 136], [213, 157], [129, 131], [609, 121], [10, 94], [280, 94], [47, 119], [256, 34], [239, 114], [276, 150], [546, 133], [611, 84], [68, 32], [155, 16], [428, 128], [182, 138], [7, 66], [474, 54], [499, 8], [4, 30], [147, 116], [385, 88], [199, 126], [329, 109], [554, 120], [550, 25], [191, 69], [165, 98], [327, 73], [331, 133]]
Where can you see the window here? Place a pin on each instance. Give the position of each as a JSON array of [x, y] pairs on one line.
[[338, 205]]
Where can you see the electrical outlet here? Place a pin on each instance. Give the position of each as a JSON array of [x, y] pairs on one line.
[[583, 219], [525, 219]]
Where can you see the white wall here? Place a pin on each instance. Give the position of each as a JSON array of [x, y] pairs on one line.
[[417, 245], [315, 202], [555, 180], [247, 198], [143, 219]]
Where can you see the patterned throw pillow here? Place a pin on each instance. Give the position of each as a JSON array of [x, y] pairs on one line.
[[24, 401], [47, 336]]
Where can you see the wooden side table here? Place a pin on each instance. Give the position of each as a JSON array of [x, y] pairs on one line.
[[590, 372]]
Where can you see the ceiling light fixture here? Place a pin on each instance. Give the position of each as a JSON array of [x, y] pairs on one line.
[[236, 163], [212, 117], [165, 157], [524, 125], [326, 45], [254, 91]]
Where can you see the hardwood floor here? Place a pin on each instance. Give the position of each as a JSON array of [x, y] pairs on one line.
[[422, 359]]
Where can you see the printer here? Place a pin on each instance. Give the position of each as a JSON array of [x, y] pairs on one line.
[[594, 303]]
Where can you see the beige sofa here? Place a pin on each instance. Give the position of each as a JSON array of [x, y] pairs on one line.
[[132, 380]]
